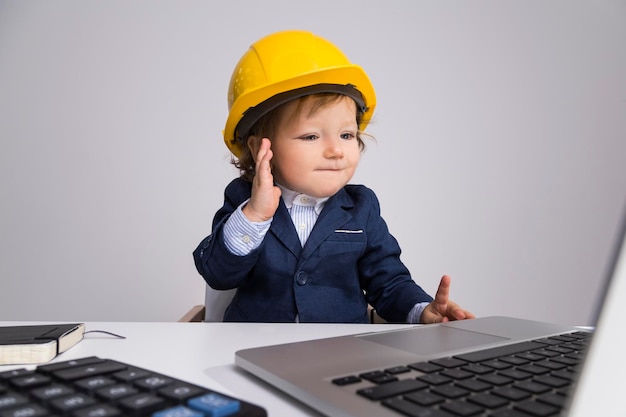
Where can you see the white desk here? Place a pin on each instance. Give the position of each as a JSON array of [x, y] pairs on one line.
[[203, 353]]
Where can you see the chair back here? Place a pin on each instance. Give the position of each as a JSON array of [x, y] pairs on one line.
[[216, 302]]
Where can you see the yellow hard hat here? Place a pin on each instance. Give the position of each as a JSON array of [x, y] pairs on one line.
[[286, 65]]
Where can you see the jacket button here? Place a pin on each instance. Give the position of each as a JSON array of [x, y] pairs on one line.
[[301, 278]]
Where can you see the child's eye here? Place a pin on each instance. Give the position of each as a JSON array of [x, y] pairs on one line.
[[348, 136], [308, 137]]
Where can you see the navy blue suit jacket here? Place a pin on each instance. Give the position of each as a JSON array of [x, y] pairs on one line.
[[349, 260]]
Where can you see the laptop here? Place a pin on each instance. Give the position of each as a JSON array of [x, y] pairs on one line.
[[423, 370]]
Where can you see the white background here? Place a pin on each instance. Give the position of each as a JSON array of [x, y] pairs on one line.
[[499, 155]]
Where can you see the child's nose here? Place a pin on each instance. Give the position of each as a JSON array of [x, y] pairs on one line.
[[334, 148]]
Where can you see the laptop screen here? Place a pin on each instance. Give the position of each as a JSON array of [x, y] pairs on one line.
[[600, 385]]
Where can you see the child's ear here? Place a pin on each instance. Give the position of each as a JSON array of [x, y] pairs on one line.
[[254, 143]]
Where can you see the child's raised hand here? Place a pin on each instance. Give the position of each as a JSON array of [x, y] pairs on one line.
[[443, 309], [265, 195]]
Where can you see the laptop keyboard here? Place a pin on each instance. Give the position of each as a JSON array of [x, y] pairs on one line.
[[519, 380], [95, 387]]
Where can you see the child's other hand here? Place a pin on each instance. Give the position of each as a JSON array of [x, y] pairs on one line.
[[443, 309], [265, 195]]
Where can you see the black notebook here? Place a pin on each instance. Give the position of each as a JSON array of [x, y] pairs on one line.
[[37, 343]]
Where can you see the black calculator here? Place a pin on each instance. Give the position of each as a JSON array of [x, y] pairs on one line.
[[96, 387]]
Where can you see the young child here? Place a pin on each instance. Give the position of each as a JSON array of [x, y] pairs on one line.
[[293, 237]]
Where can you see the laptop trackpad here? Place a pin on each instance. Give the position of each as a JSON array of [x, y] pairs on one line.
[[431, 340]]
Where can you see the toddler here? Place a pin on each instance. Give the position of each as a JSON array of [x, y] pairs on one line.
[[293, 236]]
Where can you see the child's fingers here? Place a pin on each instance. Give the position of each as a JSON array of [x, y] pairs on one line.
[[260, 155], [443, 294], [263, 165], [265, 195]]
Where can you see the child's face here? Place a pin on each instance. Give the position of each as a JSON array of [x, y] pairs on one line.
[[316, 153]]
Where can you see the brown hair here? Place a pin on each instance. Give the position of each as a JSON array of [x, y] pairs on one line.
[[267, 125]]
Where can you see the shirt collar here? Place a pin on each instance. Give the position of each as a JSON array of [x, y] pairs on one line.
[[291, 197]]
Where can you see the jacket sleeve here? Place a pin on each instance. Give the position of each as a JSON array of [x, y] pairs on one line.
[[221, 269], [387, 282]]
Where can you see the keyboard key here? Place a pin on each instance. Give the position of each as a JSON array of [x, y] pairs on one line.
[[449, 391], [97, 382], [413, 410], [449, 362], [536, 408], [378, 377], [69, 364], [509, 413], [384, 379], [495, 379], [552, 381], [488, 401], [565, 360], [12, 400], [51, 391], [425, 398], [425, 367], [575, 346], [576, 355], [564, 338], [567, 375], [93, 369], [398, 370], [6, 375], [529, 356], [549, 341], [515, 374], [115, 392], [30, 381], [533, 369], [181, 392], [130, 375], [556, 400], [511, 394], [550, 364], [474, 385], [67, 404], [547, 353], [496, 364], [457, 373], [100, 410], [392, 389], [346, 380], [29, 410], [179, 411], [477, 369], [214, 405], [143, 403], [153, 382], [533, 387], [462, 408], [560, 349], [435, 379], [515, 360]]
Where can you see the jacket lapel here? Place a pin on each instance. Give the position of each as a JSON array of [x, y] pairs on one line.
[[333, 216], [282, 227]]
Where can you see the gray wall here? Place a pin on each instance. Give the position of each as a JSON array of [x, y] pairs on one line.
[[499, 153]]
